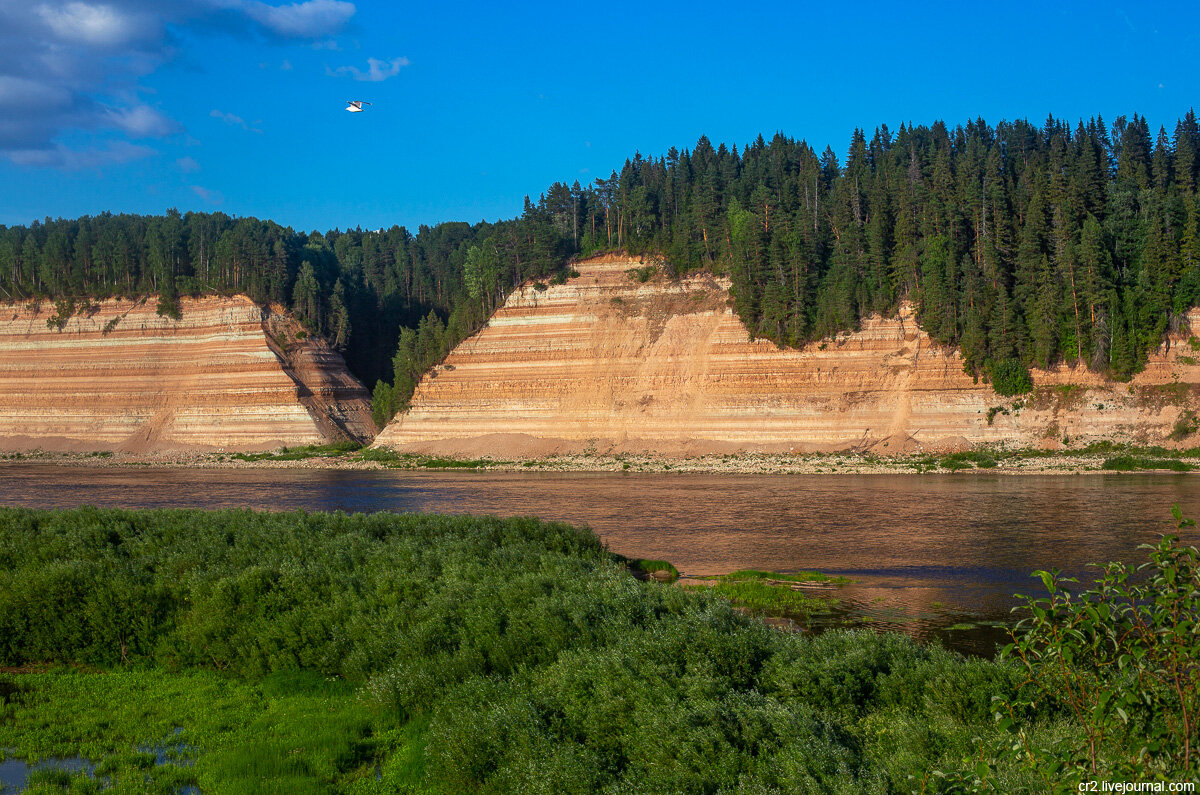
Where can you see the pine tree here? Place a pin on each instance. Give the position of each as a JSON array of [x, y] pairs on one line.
[[1162, 164], [339, 316], [1133, 163], [306, 301], [1187, 152]]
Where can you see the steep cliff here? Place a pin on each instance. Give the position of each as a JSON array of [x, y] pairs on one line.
[[606, 362], [228, 375]]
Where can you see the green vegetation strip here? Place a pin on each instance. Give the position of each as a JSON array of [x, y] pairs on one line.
[[247, 652], [1117, 457], [394, 460], [1132, 463], [336, 450], [777, 595], [156, 731]]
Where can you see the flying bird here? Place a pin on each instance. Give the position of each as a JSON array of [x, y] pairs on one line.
[[355, 105]]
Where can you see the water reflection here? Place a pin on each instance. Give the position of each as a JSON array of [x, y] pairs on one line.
[[917, 546], [14, 773]]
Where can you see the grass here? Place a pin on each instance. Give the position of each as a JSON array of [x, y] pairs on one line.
[[335, 450], [763, 599], [1132, 463], [1096, 449], [800, 576], [394, 460], [771, 594], [966, 460], [156, 731]]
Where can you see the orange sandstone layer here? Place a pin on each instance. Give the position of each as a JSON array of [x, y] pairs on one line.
[[609, 364], [229, 375]]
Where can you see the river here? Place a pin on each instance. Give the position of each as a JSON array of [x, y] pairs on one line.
[[934, 555]]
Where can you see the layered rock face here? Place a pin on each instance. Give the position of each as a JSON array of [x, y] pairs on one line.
[[229, 375], [610, 364]]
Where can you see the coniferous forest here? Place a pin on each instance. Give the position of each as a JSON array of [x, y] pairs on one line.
[[1023, 245]]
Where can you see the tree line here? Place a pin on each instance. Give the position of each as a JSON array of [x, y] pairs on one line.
[[1023, 245], [1020, 244], [367, 292]]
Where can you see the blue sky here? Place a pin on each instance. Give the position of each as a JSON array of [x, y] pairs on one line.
[[237, 105]]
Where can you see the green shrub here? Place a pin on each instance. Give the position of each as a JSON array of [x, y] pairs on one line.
[[966, 459], [642, 274], [1133, 463], [1121, 660], [1009, 377], [1185, 426], [562, 274], [332, 450], [168, 306]]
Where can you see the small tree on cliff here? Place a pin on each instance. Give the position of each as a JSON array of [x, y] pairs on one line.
[[306, 296], [339, 316]]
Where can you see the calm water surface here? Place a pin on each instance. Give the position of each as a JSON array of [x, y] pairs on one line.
[[926, 552]]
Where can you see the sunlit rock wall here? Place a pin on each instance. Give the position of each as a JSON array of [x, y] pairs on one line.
[[228, 375], [610, 364]]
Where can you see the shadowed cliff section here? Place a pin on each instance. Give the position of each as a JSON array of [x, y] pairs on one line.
[[228, 375], [610, 363]]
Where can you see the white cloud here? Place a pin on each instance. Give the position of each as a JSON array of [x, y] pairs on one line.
[[210, 196], [233, 120], [99, 25], [142, 121], [377, 70], [67, 159], [187, 165], [306, 20]]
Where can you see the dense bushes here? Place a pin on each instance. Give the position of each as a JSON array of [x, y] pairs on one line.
[[256, 593], [522, 655]]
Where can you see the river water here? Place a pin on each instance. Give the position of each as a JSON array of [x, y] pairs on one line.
[[934, 555]]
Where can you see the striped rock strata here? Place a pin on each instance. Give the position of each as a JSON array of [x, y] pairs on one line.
[[609, 364], [229, 375]]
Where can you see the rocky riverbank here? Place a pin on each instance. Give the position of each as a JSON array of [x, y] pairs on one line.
[[1014, 462]]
